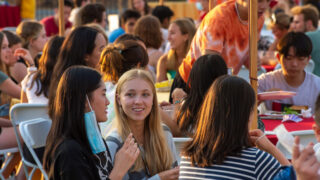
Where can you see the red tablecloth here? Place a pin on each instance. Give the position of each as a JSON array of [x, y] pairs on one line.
[[9, 16], [268, 67], [270, 124]]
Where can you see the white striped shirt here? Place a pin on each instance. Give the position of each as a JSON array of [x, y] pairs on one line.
[[251, 164]]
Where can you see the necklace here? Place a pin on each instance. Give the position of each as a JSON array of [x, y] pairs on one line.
[[241, 21]]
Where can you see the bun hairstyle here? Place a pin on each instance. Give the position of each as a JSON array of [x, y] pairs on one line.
[[116, 59]]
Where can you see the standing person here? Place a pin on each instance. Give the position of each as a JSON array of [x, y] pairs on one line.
[[51, 23], [34, 38], [151, 37], [70, 152], [225, 31], [82, 47], [141, 6], [222, 131], [35, 86], [137, 112], [128, 20], [181, 32], [305, 19]]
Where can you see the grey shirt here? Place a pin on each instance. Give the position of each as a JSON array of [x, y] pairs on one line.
[[114, 143], [307, 92]]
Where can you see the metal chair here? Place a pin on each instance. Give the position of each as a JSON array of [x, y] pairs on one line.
[[25, 112], [34, 134]]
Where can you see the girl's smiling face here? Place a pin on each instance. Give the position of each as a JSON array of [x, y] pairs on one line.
[[136, 99]]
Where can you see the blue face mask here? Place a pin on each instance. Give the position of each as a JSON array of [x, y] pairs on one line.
[[199, 6], [93, 133]]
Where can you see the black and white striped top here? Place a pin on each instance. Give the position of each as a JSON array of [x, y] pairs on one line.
[[252, 164]]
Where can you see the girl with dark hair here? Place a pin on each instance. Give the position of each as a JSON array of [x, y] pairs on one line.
[[116, 59], [82, 46], [222, 131], [35, 86], [75, 148], [141, 6], [205, 70]]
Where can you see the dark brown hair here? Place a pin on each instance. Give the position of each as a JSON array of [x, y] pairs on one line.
[[223, 121], [148, 29]]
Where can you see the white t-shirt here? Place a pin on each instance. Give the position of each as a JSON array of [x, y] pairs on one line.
[[110, 94], [307, 92], [31, 92]]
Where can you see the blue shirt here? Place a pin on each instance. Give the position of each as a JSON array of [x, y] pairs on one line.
[[115, 34]]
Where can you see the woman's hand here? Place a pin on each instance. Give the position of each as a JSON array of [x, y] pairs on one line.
[[177, 95], [260, 140], [170, 174], [125, 158], [305, 162], [25, 55]]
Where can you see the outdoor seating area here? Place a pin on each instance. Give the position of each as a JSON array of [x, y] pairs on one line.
[[159, 89]]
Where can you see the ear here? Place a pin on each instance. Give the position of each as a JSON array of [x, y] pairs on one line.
[[86, 58], [186, 37], [118, 99], [316, 130]]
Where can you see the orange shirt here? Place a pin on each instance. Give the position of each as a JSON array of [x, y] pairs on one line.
[[221, 31]]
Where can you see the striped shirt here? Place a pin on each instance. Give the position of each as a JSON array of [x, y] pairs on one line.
[[251, 164]]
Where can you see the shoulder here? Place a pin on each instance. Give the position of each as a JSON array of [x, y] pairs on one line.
[[3, 77], [47, 20], [270, 75], [163, 59], [313, 79]]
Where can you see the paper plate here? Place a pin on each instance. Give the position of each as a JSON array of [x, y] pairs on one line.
[[273, 95]]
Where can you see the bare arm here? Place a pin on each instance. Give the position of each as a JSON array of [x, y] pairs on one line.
[[10, 88], [162, 69], [19, 71], [262, 142]]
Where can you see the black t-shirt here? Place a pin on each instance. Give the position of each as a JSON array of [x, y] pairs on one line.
[[73, 161]]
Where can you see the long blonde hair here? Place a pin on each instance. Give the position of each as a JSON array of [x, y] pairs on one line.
[[157, 153]]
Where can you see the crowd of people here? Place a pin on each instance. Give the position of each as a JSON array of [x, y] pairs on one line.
[[90, 78]]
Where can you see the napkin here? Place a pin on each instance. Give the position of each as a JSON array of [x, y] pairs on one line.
[[306, 113], [291, 117]]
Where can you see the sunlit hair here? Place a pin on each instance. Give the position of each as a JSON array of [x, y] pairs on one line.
[[67, 109], [205, 70], [186, 27], [223, 122], [158, 155], [47, 62], [151, 36], [28, 30], [118, 58]]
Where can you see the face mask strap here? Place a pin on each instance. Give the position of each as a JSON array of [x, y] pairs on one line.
[[89, 103]]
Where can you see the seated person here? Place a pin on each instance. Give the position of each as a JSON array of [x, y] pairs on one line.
[[127, 21], [294, 51]]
